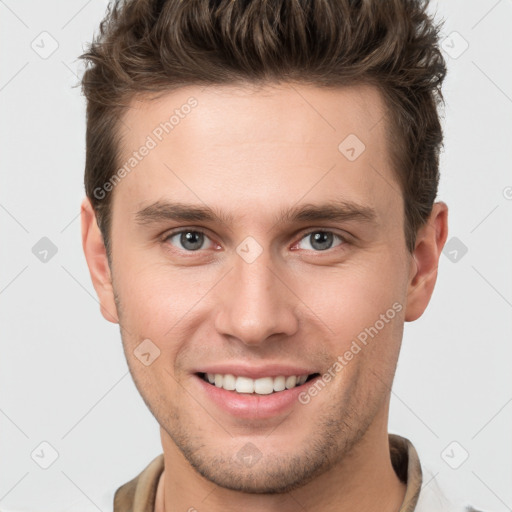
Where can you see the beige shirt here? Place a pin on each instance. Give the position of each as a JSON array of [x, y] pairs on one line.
[[138, 495]]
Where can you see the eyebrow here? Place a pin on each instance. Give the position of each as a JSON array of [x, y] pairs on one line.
[[330, 211]]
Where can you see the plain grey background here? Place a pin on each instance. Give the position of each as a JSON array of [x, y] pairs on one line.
[[63, 376]]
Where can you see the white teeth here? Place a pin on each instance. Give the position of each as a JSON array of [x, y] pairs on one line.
[[291, 381], [279, 383], [264, 386], [301, 380], [244, 385], [229, 382], [261, 386]]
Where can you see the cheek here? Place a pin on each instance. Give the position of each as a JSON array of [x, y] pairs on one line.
[[351, 298], [150, 298], [363, 308], [165, 305]]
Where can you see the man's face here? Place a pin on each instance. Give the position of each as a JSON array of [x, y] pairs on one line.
[[253, 292]]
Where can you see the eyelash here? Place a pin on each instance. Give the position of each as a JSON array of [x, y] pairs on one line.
[[171, 234]]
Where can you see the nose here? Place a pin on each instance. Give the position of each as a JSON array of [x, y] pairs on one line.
[[255, 302]]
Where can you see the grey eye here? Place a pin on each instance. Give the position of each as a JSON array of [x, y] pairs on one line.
[[321, 240], [189, 240]]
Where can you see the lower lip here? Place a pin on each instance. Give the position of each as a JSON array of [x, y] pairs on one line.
[[245, 405]]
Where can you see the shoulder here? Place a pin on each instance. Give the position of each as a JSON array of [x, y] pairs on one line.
[[140, 492]]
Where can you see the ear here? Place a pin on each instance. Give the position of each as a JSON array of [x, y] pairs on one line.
[[96, 256], [430, 241]]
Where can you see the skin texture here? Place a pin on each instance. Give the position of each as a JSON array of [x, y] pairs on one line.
[[251, 153]]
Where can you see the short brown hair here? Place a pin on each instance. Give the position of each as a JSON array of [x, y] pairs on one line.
[[147, 46]]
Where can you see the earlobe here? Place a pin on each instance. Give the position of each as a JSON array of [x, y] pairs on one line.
[[96, 257], [430, 241]]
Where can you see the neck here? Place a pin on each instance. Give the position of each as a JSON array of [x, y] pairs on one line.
[[364, 481]]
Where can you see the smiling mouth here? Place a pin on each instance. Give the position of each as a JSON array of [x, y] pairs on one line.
[[261, 386]]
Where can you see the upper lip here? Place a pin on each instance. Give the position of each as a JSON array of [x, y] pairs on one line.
[[256, 372]]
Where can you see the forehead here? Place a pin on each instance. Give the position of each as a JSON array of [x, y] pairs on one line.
[[257, 146], [294, 111]]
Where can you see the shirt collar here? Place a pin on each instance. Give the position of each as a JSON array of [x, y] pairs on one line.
[[406, 464]]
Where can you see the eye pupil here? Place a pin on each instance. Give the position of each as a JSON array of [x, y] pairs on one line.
[[192, 237], [321, 238]]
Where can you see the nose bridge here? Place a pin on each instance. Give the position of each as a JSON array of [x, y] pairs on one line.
[[255, 303]]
